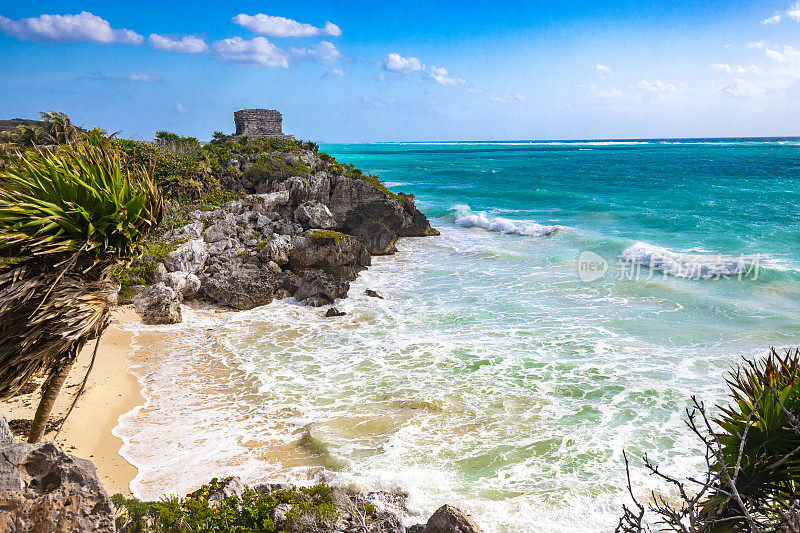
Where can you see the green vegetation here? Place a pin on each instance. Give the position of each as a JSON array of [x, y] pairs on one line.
[[762, 425], [143, 268], [250, 512], [321, 235], [76, 201]]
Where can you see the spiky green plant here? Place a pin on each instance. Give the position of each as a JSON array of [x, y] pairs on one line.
[[81, 200], [67, 218], [760, 439]]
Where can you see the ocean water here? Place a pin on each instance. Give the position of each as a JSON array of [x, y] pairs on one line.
[[496, 375]]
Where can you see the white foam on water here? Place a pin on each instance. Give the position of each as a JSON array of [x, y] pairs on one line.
[[466, 218], [691, 265], [488, 377]]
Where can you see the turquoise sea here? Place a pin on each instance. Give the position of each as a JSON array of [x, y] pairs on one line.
[[494, 376]]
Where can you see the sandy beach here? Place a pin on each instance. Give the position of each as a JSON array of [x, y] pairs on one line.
[[110, 392]]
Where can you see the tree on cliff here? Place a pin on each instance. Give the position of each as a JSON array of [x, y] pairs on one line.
[[67, 218]]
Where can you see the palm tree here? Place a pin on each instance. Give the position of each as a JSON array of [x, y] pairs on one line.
[[67, 218]]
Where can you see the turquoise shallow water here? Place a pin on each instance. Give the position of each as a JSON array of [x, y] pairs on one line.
[[492, 376]]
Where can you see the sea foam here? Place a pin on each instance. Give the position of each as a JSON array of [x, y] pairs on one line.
[[466, 218], [691, 265]]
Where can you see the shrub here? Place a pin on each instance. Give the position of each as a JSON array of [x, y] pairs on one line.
[[250, 512], [322, 235]]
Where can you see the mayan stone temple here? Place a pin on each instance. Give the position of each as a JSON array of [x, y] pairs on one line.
[[259, 123]]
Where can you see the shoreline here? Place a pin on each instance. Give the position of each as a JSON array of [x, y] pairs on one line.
[[111, 391]]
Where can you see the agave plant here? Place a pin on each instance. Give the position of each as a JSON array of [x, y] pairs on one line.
[[760, 438], [66, 219]]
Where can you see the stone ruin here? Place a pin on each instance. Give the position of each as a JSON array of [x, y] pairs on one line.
[[259, 123]]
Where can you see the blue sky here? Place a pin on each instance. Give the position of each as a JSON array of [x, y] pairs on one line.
[[410, 71]]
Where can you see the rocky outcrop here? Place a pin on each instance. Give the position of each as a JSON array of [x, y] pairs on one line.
[[304, 236], [448, 519], [42, 488], [158, 304]]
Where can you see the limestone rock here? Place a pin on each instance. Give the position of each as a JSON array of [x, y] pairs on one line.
[[6, 436], [277, 250], [334, 312], [44, 489], [230, 488], [377, 238], [189, 257], [158, 304], [317, 289], [239, 286], [280, 513], [448, 519], [372, 294], [314, 215], [342, 259], [186, 284]]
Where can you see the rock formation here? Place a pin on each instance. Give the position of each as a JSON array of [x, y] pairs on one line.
[[42, 488], [305, 237]]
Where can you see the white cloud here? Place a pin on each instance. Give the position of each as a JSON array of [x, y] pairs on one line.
[[68, 28], [179, 108], [794, 12], [141, 77], [443, 78], [656, 87], [605, 94], [324, 52], [187, 44], [739, 87], [776, 18], [755, 45], [602, 68], [258, 50], [403, 65], [283, 27], [787, 55], [334, 73], [516, 97], [739, 69]]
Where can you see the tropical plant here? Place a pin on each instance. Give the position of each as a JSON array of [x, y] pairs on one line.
[[67, 218], [752, 482], [760, 438]]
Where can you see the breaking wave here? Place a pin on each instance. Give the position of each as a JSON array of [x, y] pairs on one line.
[[692, 265], [465, 217]]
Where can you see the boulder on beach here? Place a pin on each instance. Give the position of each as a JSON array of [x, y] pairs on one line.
[[158, 304]]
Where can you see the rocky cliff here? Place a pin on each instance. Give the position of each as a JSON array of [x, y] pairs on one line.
[[304, 236]]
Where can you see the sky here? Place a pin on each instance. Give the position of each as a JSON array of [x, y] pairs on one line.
[[362, 71]]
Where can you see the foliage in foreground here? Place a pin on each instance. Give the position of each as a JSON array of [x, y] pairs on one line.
[[250, 512], [752, 482], [84, 200]]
